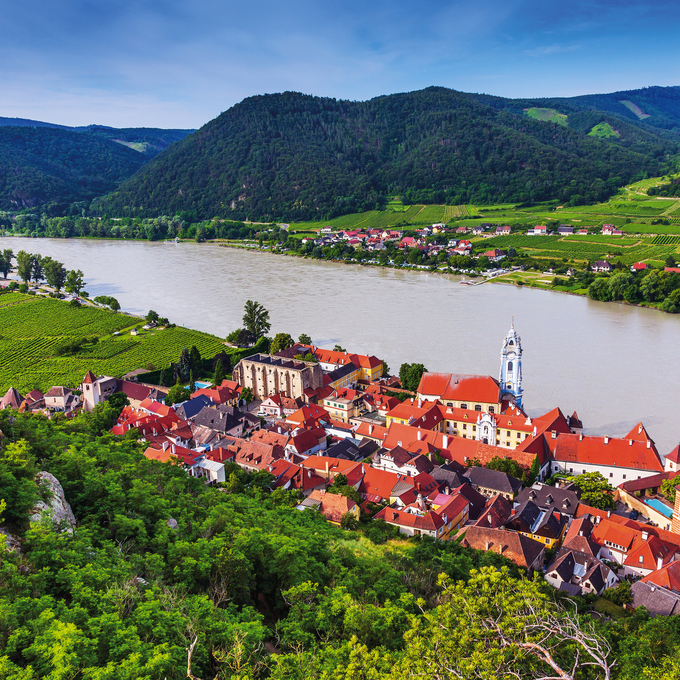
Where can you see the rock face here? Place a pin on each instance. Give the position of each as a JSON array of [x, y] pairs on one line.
[[11, 542], [56, 509]]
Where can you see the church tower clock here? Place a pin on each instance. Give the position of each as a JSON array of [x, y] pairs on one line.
[[511, 366]]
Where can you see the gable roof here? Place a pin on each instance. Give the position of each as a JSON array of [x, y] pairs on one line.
[[493, 479], [521, 550], [495, 513], [460, 387], [658, 601], [667, 577]]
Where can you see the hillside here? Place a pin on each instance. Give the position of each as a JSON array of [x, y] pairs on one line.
[[296, 157], [44, 163], [48, 165]]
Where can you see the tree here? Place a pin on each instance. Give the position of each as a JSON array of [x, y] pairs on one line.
[[177, 394], [196, 360], [594, 490], [410, 375], [618, 284], [220, 373], [37, 271], [599, 290], [245, 337], [55, 273], [507, 465], [24, 265], [337, 348], [247, 395], [184, 365], [386, 368], [349, 521], [192, 384], [74, 282], [670, 261], [280, 342], [533, 472], [151, 316], [256, 319], [6, 262], [304, 339]]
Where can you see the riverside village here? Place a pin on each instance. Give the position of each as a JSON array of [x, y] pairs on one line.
[[454, 458]]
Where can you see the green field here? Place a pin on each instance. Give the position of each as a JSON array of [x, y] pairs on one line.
[[32, 329], [603, 130], [549, 115]]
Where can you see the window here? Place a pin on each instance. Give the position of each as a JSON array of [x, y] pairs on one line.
[[624, 476], [463, 405], [492, 409], [465, 426], [509, 365], [478, 407], [611, 474], [640, 559]]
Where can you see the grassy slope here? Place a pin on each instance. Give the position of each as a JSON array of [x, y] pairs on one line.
[[33, 328]]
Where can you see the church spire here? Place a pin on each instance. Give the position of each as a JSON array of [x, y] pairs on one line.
[[511, 366]]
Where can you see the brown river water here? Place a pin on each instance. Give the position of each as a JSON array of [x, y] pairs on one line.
[[614, 364]]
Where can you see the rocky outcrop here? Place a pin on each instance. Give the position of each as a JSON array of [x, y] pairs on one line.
[[10, 542], [55, 510]]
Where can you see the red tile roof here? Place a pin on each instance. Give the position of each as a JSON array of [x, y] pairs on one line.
[[666, 577], [623, 453], [455, 387], [333, 506]]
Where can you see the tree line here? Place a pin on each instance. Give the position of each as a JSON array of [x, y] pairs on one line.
[[35, 268]]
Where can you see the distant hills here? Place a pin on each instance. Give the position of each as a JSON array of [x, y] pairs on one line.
[[54, 166], [291, 156], [296, 157]]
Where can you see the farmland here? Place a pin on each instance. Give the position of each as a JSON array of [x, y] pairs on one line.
[[34, 328]]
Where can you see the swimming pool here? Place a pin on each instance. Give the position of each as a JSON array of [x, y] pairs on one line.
[[660, 507], [200, 385]]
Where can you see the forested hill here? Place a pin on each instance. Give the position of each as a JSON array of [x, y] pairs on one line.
[[42, 164], [291, 156]]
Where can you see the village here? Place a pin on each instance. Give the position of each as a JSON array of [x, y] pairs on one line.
[[351, 442]]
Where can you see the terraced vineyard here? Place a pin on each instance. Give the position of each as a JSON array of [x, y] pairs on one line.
[[31, 330], [666, 240]]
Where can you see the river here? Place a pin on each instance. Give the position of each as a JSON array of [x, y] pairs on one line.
[[614, 364]]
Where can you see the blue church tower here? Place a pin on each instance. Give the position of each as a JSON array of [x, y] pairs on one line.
[[511, 366]]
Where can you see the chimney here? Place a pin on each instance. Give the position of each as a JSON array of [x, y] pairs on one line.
[[309, 474], [597, 519], [580, 436], [420, 403], [280, 430], [447, 490], [165, 445], [659, 562], [173, 448], [487, 545], [609, 514], [420, 435], [533, 434], [606, 439], [489, 519], [445, 518], [640, 428], [630, 442], [580, 533], [649, 444], [326, 468], [445, 441], [370, 429], [645, 535], [553, 434]]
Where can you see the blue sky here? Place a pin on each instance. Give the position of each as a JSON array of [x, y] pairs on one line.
[[165, 63]]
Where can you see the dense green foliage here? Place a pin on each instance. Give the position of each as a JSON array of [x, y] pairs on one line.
[[291, 156], [51, 166], [159, 563], [670, 189]]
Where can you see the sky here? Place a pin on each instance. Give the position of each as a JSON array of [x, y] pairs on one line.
[[172, 64]]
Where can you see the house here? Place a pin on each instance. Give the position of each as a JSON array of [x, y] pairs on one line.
[[265, 375], [290, 476], [548, 498], [478, 230], [280, 405], [639, 267], [602, 266], [188, 409], [462, 230], [343, 376], [578, 573], [495, 513], [223, 419], [343, 404], [427, 415], [656, 600], [523, 551], [304, 443], [61, 399], [617, 460], [611, 230], [402, 461], [565, 229], [137, 393], [538, 230], [503, 231], [96, 390], [474, 392], [333, 506], [544, 526], [490, 482], [494, 255], [12, 399]]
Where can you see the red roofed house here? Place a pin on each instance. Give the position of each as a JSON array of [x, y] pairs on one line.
[[427, 416], [639, 266], [494, 255], [617, 460], [474, 392], [291, 476], [332, 506], [305, 443]]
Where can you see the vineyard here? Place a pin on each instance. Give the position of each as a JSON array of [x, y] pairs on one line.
[[33, 328], [666, 240]]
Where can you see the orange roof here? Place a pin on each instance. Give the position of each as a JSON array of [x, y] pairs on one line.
[[363, 361], [429, 521], [666, 577], [376, 432], [89, 378], [623, 453], [308, 412], [159, 454], [378, 483], [427, 416], [674, 455], [333, 505], [638, 433], [460, 387]]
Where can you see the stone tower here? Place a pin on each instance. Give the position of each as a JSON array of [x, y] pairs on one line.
[[511, 366]]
